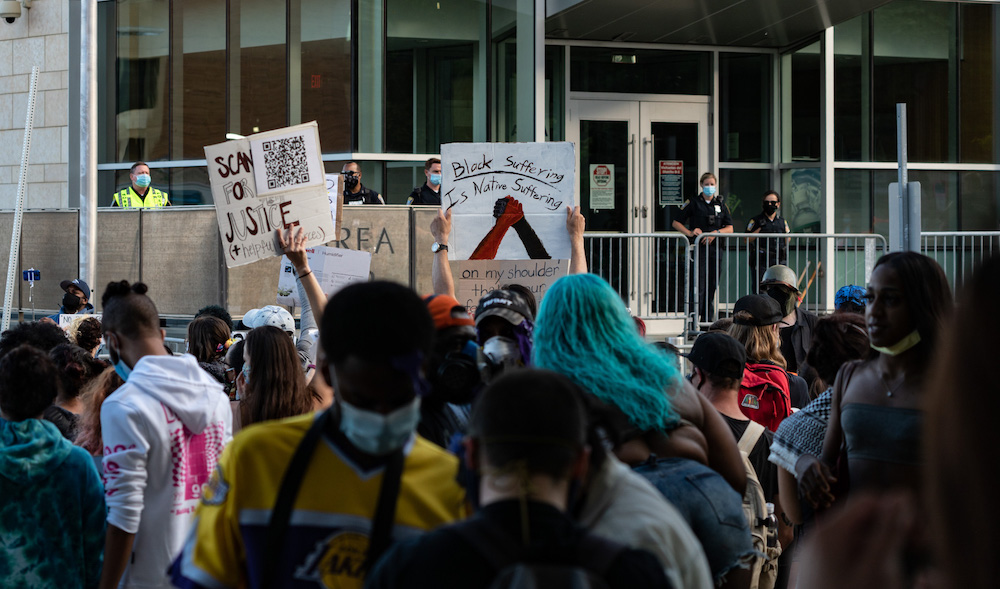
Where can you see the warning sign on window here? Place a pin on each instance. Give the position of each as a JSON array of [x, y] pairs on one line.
[[671, 182], [602, 186]]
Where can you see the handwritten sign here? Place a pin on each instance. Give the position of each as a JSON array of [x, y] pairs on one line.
[[334, 268], [268, 181], [68, 322], [333, 195], [476, 278], [508, 200]]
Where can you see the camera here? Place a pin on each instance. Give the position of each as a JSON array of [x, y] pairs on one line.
[[31, 275], [10, 10]]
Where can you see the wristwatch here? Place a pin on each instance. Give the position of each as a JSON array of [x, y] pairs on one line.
[[439, 247]]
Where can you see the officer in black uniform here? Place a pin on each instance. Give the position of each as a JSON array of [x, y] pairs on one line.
[[355, 192], [428, 193], [707, 213], [769, 252]]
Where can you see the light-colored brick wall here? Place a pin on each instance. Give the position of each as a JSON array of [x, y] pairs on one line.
[[38, 38]]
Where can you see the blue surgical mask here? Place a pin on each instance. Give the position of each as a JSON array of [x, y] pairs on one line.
[[436, 179], [378, 434], [708, 190], [142, 180], [122, 369], [246, 371]]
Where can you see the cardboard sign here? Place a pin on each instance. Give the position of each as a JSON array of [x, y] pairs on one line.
[[476, 278], [333, 195], [671, 182], [508, 200], [602, 186], [66, 322], [268, 181], [334, 268]]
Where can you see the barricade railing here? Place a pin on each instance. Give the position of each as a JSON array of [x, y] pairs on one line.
[[959, 253], [649, 270], [822, 262]]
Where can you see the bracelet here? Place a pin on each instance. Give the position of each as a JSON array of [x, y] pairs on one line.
[[306, 274]]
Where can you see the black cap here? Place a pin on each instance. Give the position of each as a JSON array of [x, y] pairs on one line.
[[506, 304], [719, 354], [763, 311]]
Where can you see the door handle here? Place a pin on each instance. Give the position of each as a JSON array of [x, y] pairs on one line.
[[645, 211], [635, 212]]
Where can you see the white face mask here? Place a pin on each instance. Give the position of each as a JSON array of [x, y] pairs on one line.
[[378, 434], [503, 352]]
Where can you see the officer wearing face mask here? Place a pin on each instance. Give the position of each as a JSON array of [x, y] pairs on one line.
[[504, 325], [779, 284], [140, 195], [355, 193], [76, 300], [428, 193], [768, 251]]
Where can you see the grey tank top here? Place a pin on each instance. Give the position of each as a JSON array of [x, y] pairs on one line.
[[887, 434]]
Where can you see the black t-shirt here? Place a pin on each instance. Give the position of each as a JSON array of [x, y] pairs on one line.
[[424, 195], [767, 471]]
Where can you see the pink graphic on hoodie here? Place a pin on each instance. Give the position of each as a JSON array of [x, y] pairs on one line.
[[193, 458]]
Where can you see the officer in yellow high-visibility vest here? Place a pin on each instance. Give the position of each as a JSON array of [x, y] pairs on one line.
[[140, 195]]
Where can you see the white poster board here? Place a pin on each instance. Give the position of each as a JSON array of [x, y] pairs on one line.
[[67, 321], [334, 268], [478, 277], [602, 186], [333, 195], [508, 200], [265, 182]]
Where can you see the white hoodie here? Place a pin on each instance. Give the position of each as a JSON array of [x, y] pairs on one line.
[[163, 432]]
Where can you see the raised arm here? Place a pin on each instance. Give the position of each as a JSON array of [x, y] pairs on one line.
[[295, 249], [575, 224], [441, 278]]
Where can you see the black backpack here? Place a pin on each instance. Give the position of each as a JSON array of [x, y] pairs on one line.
[[593, 559]]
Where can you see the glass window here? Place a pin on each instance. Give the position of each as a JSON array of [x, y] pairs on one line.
[[852, 99], [913, 44], [801, 73], [980, 201], [601, 69], [400, 180], [325, 79], [436, 72], [802, 199], [745, 105], [142, 115], [852, 201], [198, 88], [555, 93], [263, 67], [744, 190], [189, 186], [106, 85], [977, 112]]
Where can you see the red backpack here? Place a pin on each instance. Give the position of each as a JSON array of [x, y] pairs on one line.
[[764, 394]]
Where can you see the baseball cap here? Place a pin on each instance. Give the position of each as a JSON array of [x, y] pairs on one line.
[[65, 284], [850, 294], [446, 312], [779, 274], [506, 304], [719, 354], [763, 310], [270, 315]]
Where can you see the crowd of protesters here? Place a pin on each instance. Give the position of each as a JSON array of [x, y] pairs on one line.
[[395, 440]]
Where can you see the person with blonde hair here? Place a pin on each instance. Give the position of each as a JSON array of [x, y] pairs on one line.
[[764, 393]]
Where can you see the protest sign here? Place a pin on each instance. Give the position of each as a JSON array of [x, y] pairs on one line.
[[68, 322], [476, 278], [333, 195], [334, 268], [492, 188], [269, 181]]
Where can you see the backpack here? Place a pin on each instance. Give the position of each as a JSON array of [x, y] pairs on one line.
[[764, 568], [764, 396], [594, 556]]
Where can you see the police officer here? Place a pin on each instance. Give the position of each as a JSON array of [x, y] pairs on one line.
[[706, 213], [428, 193], [355, 192], [769, 251], [140, 195]]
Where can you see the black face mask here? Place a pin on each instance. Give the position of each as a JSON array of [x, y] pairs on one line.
[[786, 300], [71, 302], [770, 207], [351, 182]]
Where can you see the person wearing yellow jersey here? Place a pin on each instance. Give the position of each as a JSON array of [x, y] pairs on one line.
[[140, 195], [311, 501]]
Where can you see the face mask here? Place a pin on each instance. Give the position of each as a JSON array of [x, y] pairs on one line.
[[142, 180], [708, 190], [120, 367], [785, 299], [436, 179], [503, 352], [901, 346], [70, 302], [246, 372], [378, 434], [770, 207], [351, 182]]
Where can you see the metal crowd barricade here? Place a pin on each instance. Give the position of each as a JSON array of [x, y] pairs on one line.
[[822, 262], [959, 253], [649, 270]]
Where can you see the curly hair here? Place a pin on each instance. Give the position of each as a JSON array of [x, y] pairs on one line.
[[87, 334], [76, 367], [585, 332], [276, 387], [28, 383], [41, 335]]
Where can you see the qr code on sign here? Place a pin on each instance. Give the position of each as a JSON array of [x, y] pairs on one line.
[[285, 162]]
